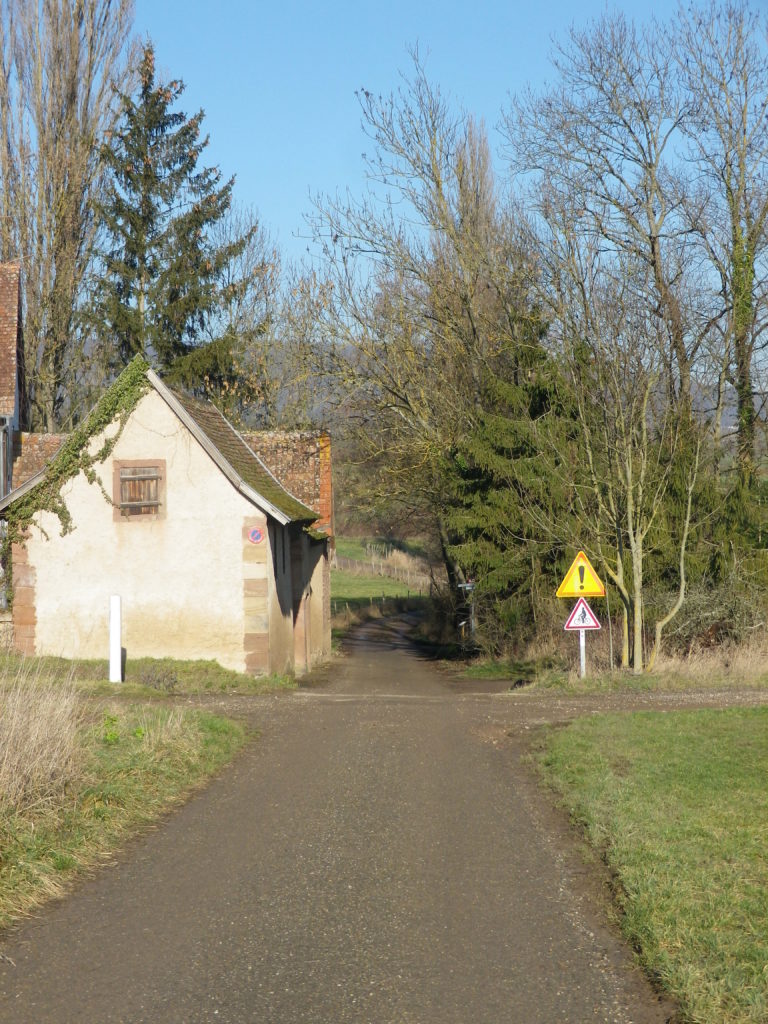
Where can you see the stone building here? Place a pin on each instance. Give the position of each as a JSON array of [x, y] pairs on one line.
[[167, 506]]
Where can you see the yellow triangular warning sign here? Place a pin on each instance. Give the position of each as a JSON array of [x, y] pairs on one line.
[[581, 580]]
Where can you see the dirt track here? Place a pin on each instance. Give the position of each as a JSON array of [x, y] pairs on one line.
[[380, 854]]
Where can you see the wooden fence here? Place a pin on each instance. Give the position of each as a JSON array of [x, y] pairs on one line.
[[416, 580]]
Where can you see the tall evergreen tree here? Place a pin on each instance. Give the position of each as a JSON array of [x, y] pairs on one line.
[[161, 270], [498, 482]]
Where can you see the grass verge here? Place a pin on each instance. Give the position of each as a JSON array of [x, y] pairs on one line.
[[143, 676], [542, 673], [346, 587], [677, 803], [125, 765], [362, 548], [553, 672]]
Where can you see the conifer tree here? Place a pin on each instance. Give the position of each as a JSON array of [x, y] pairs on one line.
[[498, 481], [161, 273]]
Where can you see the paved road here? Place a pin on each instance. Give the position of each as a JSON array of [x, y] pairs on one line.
[[378, 855]]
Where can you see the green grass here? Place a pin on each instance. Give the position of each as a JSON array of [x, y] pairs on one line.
[[678, 805], [353, 547], [539, 672], [359, 548], [355, 592], [144, 676], [356, 598], [137, 761], [347, 587]]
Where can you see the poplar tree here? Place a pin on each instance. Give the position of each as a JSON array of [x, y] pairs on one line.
[[162, 272], [59, 62]]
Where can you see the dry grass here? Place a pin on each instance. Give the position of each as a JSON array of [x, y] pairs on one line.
[[380, 559], [40, 750], [405, 560], [728, 666], [744, 664], [78, 773]]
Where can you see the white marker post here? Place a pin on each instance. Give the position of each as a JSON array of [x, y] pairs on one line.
[[115, 641]]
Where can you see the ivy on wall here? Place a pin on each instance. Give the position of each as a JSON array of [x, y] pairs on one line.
[[74, 457]]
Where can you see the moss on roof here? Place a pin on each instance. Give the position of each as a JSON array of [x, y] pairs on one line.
[[118, 401], [245, 463]]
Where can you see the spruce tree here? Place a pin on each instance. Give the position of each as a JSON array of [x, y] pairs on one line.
[[498, 482], [160, 270]]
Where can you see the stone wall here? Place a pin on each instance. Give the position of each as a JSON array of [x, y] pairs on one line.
[[31, 453], [301, 461], [10, 337], [24, 600]]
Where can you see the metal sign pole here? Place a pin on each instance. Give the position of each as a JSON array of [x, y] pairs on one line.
[[583, 651]]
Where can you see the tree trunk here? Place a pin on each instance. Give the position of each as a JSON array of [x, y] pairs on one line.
[[452, 569], [743, 313], [637, 594], [664, 622]]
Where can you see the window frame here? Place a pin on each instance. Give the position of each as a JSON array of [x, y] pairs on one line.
[[119, 515]]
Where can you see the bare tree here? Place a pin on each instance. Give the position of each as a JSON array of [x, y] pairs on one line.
[[60, 61], [629, 441], [723, 60], [605, 136], [424, 289]]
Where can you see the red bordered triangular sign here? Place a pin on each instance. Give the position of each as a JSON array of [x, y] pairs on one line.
[[582, 617]]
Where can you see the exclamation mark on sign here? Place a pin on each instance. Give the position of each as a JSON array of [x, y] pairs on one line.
[[581, 577]]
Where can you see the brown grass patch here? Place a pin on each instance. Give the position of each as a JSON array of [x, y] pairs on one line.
[[40, 749]]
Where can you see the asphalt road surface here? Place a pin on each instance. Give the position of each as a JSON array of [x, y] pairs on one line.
[[379, 855]]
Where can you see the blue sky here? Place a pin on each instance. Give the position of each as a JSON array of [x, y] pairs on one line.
[[277, 81]]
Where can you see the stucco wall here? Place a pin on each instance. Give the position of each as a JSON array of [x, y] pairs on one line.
[[180, 577]]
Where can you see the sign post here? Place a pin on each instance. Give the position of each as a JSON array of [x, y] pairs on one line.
[[581, 581], [582, 618]]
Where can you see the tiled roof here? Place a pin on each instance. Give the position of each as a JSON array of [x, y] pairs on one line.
[[222, 442], [246, 464]]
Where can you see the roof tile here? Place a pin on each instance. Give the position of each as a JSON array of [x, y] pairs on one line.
[[245, 462]]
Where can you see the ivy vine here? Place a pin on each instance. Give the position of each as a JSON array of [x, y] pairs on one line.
[[117, 403]]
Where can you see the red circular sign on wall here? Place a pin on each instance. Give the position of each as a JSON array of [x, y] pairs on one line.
[[255, 535]]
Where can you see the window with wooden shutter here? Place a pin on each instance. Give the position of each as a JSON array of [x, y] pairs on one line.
[[139, 489]]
